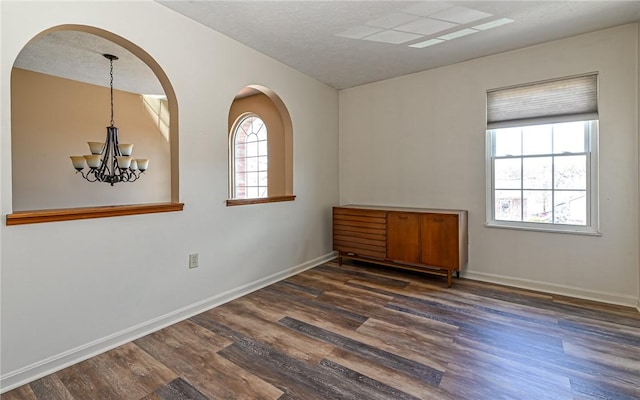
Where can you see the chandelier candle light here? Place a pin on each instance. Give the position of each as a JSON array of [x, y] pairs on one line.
[[110, 162]]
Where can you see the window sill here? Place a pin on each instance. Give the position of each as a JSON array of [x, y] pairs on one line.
[[68, 214], [261, 200], [566, 229]]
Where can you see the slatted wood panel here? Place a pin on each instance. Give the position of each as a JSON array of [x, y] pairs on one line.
[[360, 232], [362, 333]]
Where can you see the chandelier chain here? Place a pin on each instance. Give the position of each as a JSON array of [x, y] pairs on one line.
[[111, 86]]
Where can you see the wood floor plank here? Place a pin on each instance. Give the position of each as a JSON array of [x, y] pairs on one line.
[[179, 389], [397, 281], [425, 349], [406, 365], [278, 302], [247, 320], [494, 378], [23, 392], [595, 389], [373, 389], [199, 363], [131, 372], [389, 376], [50, 388], [84, 381], [297, 379]]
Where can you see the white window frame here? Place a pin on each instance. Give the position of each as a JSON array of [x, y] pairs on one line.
[[592, 225], [592, 219]]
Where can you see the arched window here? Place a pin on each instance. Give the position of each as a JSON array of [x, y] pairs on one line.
[[250, 158]]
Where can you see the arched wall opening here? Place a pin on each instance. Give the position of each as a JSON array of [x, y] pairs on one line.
[[265, 103], [74, 192]]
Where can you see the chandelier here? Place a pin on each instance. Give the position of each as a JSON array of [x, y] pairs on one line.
[[110, 162]]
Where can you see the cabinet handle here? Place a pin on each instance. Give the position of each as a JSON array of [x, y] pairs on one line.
[[438, 219], [402, 217]]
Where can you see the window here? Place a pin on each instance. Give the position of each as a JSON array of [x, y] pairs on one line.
[[250, 158], [542, 156]]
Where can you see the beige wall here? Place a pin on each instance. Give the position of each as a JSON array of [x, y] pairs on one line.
[[262, 106], [53, 118], [419, 140]]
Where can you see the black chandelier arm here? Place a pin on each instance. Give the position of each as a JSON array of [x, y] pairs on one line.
[[120, 175]]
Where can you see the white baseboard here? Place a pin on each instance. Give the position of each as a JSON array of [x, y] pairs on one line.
[[60, 361], [604, 297]]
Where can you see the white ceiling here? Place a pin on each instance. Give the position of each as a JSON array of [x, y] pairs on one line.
[[343, 43]]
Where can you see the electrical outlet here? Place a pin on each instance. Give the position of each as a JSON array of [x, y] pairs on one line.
[[193, 260]]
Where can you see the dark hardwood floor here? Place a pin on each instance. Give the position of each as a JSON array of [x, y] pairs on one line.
[[364, 332]]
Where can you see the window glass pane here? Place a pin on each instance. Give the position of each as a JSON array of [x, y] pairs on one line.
[[508, 205], [571, 172], [241, 178], [262, 192], [252, 178], [261, 131], [569, 137], [536, 139], [536, 206], [240, 150], [251, 137], [262, 163], [241, 136], [570, 207], [262, 148], [252, 149], [507, 142], [262, 178], [507, 173], [252, 163], [536, 173], [252, 192]]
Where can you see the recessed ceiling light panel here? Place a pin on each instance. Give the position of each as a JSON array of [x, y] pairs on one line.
[[493, 24], [426, 8], [392, 37], [426, 26], [457, 34], [358, 32], [392, 20], [426, 43], [460, 15]]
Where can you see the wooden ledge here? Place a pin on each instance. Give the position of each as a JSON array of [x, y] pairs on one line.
[[67, 214], [273, 199]]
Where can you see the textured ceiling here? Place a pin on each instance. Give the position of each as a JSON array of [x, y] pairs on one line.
[[338, 42]]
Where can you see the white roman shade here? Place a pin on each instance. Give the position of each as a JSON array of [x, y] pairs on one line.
[[561, 100]]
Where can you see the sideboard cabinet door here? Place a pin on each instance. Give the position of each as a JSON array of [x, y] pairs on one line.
[[403, 237], [439, 234]]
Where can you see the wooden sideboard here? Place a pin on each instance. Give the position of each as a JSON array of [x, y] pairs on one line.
[[425, 240]]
